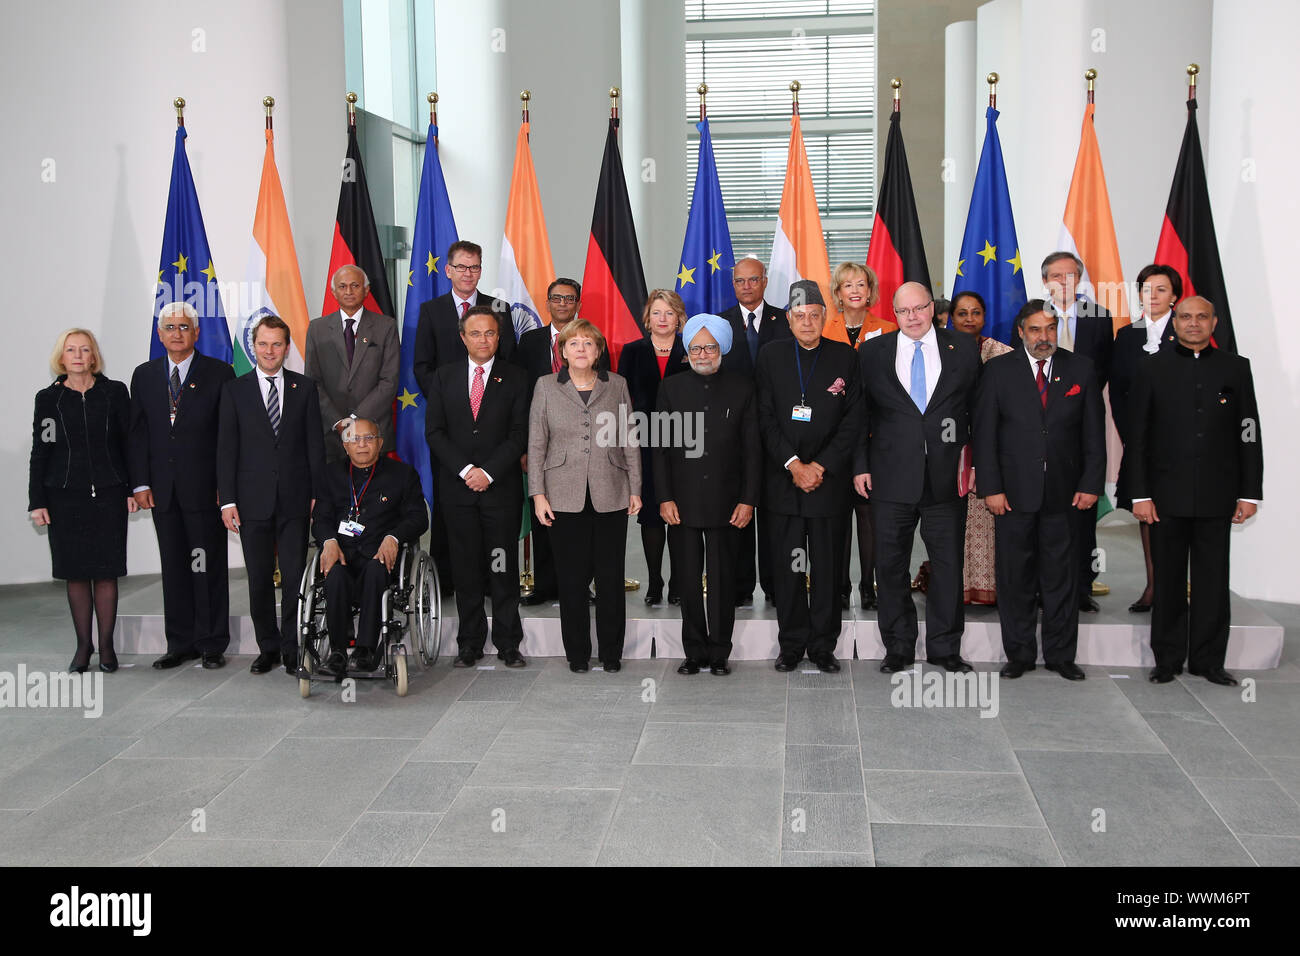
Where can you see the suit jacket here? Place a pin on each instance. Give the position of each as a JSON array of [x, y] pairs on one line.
[[574, 449], [833, 393], [1194, 440], [1039, 457], [772, 325], [533, 355], [392, 503], [367, 387], [901, 443], [265, 474], [495, 441], [1126, 365], [639, 365], [722, 465], [437, 336], [1094, 335], [177, 460], [90, 442]]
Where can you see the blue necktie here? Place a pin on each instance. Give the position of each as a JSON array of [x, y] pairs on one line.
[[917, 390], [751, 335]]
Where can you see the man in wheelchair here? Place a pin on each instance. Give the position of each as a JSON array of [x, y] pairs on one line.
[[372, 505]]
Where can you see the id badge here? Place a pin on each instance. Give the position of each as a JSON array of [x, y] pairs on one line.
[[350, 529], [801, 413]]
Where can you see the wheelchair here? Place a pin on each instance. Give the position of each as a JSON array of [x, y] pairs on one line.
[[410, 614]]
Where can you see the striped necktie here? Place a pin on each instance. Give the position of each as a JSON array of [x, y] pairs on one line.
[[273, 406]]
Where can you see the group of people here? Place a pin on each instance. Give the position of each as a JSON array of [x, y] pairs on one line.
[[748, 444]]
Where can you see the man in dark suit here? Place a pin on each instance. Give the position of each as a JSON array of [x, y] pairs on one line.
[[1040, 452], [175, 403], [707, 480], [754, 323], [919, 389], [353, 357], [477, 427], [1085, 328], [810, 417], [370, 507], [538, 354], [437, 343], [1195, 466], [270, 471]]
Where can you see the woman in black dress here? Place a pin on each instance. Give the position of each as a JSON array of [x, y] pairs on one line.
[[77, 487], [645, 363]]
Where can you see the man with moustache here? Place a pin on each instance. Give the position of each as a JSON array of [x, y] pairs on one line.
[[1194, 463], [809, 416], [708, 491], [919, 389], [1040, 452]]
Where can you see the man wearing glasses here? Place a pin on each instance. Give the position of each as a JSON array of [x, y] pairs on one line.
[[919, 389]]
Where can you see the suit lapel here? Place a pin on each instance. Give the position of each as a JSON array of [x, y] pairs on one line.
[[365, 329], [947, 356], [889, 356]]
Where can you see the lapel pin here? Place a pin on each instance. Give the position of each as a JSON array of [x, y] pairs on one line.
[[496, 378], [293, 384], [1056, 379], [192, 385], [950, 347], [383, 498], [365, 341], [1223, 401]]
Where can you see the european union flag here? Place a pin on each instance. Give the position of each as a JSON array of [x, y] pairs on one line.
[[185, 269], [435, 230], [707, 260], [989, 262]]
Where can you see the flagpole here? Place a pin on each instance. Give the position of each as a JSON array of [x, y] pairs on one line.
[[897, 85], [1192, 70], [268, 103], [703, 90], [179, 103], [992, 79], [1091, 77], [352, 110], [613, 105], [795, 86]]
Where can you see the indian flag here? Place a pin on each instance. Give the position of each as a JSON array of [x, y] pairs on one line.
[[799, 247], [274, 284], [526, 268]]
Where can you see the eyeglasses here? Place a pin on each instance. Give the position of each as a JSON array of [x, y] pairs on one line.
[[362, 439], [562, 299], [747, 280], [462, 268], [704, 349], [183, 327], [482, 334], [914, 310]]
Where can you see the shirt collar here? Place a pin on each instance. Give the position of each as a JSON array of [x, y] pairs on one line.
[[931, 339], [182, 367], [487, 366], [472, 300], [355, 316]]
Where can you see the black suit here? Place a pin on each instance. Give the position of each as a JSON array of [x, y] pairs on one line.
[[807, 520], [1039, 457], [273, 480], [752, 540], [913, 459], [178, 462], [389, 501], [1194, 449], [707, 478], [484, 525], [1127, 364]]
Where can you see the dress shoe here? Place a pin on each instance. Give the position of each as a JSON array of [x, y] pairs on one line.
[[1215, 675], [578, 667], [868, 599], [512, 658], [1067, 669], [786, 663], [1139, 607], [536, 598], [108, 666], [1088, 605], [688, 667], [827, 664], [1163, 675], [653, 597], [719, 669], [745, 600], [674, 599], [336, 662], [893, 663], [170, 660], [844, 600], [612, 667], [952, 662], [213, 660], [75, 668], [368, 659], [467, 659], [1013, 669], [262, 663]]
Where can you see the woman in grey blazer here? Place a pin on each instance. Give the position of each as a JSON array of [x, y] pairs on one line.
[[584, 475]]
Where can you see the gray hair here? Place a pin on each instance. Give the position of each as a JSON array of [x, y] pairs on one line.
[[171, 308], [1057, 257], [365, 279]]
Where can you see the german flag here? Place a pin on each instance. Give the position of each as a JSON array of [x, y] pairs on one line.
[[613, 281], [1187, 241], [896, 253], [356, 240]]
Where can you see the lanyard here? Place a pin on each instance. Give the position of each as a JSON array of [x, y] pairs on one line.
[[356, 499], [798, 359]]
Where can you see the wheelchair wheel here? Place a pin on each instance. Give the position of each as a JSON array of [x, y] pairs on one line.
[[313, 638], [399, 672], [304, 683], [428, 611]]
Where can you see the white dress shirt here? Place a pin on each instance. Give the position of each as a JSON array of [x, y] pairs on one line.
[[1070, 317], [1033, 366], [487, 373], [903, 361], [472, 300], [183, 369], [1156, 332], [265, 386]]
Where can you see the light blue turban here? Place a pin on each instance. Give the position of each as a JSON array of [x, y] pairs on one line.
[[718, 327]]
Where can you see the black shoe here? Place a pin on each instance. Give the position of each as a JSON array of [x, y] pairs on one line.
[[786, 663], [466, 659], [108, 666], [75, 668], [578, 667], [336, 663], [745, 600], [612, 667], [1088, 605], [536, 598], [512, 658], [868, 596], [951, 662], [1215, 675], [212, 661], [719, 669], [261, 664], [1067, 669], [844, 600], [653, 597], [1137, 607], [170, 660], [1163, 675], [688, 667], [674, 599], [893, 663], [827, 664], [1013, 669]]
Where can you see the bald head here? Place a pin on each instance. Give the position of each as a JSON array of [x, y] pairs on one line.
[[914, 310], [1194, 322]]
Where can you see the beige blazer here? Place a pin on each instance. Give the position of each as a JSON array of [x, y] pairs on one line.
[[574, 447]]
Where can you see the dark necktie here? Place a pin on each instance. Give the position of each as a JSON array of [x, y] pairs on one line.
[[175, 387], [1041, 379], [350, 338], [751, 335], [273, 407]]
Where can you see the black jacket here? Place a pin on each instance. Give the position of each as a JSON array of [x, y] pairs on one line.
[[533, 355], [79, 441], [1126, 365], [1039, 457], [437, 336], [639, 364], [772, 325], [393, 503], [722, 465], [1094, 336], [177, 460], [833, 394]]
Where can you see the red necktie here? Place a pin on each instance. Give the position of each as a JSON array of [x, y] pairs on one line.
[[476, 391], [556, 364], [1042, 382], [464, 307]]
